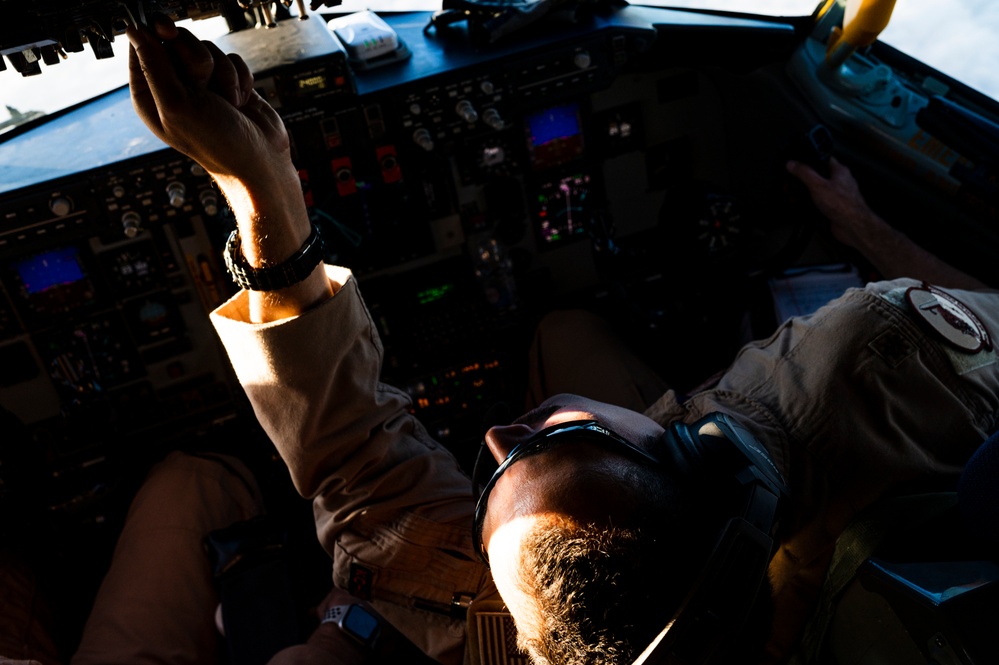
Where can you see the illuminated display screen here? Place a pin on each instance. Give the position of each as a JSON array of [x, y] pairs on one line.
[[564, 208], [560, 122], [51, 284], [312, 83], [434, 294], [360, 623], [59, 267], [555, 136]]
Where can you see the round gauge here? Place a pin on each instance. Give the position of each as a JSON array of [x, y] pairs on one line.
[[706, 229], [564, 208], [720, 224]]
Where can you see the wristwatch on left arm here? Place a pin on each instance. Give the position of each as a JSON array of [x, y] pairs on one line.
[[272, 278], [357, 621]]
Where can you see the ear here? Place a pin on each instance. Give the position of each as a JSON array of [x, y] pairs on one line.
[[503, 438]]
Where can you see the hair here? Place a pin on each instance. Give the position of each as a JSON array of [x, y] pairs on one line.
[[592, 602], [602, 593]]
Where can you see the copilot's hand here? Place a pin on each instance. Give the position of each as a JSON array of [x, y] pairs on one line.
[[202, 102], [838, 198]]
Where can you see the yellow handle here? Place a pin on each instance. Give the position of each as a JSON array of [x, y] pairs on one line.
[[863, 21]]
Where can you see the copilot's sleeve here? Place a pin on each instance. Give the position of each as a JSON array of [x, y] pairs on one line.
[[392, 506]]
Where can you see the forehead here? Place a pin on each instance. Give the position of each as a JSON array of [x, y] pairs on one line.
[[577, 477], [580, 433], [563, 407]]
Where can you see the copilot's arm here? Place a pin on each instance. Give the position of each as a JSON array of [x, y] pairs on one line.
[[854, 224]]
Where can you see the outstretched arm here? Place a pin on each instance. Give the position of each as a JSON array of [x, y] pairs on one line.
[[202, 102], [854, 224]]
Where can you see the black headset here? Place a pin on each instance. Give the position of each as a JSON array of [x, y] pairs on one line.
[[722, 599], [723, 596]]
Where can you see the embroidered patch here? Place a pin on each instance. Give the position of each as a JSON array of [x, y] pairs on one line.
[[962, 361], [361, 581], [949, 318], [892, 347]]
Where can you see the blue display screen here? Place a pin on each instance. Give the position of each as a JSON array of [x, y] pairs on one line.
[[555, 136], [360, 623], [55, 268], [558, 122]]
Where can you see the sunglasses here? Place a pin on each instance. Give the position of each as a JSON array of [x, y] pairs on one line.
[[544, 440]]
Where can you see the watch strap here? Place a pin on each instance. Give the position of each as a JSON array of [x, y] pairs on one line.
[[285, 274], [335, 614]]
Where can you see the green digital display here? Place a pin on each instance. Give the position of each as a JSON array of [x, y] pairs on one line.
[[434, 293]]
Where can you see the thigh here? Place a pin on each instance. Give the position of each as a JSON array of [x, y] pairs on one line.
[[576, 352], [157, 602]]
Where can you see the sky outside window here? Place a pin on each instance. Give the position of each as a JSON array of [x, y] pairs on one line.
[[958, 37]]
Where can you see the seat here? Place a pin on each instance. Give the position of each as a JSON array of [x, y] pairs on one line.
[[915, 579]]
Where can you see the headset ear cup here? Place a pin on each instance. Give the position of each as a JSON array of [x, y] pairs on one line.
[[683, 450]]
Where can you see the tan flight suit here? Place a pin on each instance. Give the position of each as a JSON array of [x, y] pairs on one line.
[[855, 402]]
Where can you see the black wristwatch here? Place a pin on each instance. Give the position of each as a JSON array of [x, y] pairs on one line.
[[356, 621], [272, 278]]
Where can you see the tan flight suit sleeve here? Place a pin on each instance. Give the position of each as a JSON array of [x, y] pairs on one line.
[[856, 402], [392, 506]]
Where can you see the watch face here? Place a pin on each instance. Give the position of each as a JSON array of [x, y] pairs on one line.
[[360, 623]]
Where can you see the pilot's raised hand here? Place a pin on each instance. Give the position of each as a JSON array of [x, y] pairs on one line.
[[202, 102], [838, 198]]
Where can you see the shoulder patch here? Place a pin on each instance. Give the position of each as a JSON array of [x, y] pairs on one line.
[[949, 319]]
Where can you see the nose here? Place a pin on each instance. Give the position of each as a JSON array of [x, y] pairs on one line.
[[502, 439]]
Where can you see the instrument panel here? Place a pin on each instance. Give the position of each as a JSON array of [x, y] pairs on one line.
[[469, 188]]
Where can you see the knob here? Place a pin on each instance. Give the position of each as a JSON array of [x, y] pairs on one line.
[[487, 87], [423, 139], [198, 170], [582, 60], [60, 206], [344, 175], [131, 223], [176, 193], [209, 201], [492, 118], [415, 109], [118, 191], [466, 111], [493, 155]]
